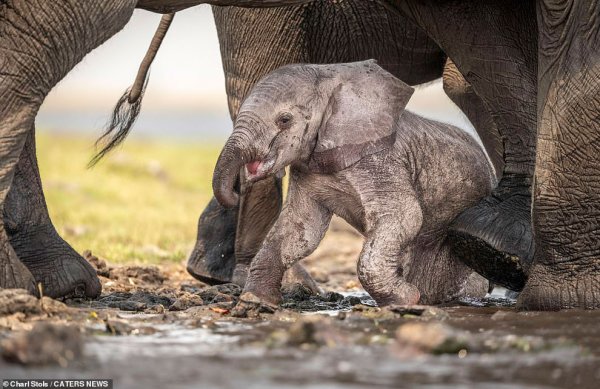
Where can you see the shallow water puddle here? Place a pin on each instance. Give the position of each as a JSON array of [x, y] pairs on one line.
[[168, 340]]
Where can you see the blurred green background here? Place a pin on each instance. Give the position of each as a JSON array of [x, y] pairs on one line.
[[140, 204]]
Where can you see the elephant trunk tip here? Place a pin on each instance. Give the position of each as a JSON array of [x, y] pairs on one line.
[[227, 197]]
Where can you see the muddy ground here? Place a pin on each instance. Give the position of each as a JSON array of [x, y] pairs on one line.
[[156, 327]]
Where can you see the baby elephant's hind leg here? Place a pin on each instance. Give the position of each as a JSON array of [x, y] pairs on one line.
[[387, 250]]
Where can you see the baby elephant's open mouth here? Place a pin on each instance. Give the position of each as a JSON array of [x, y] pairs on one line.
[[257, 170]]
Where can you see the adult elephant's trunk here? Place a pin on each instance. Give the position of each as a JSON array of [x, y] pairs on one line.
[[233, 157]]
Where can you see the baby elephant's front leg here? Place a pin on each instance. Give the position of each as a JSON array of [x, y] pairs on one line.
[[386, 253], [295, 235]]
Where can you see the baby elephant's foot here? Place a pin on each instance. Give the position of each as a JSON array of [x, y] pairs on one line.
[[250, 305], [296, 275], [53, 263], [394, 294]]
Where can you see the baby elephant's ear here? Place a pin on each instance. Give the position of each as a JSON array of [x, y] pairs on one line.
[[360, 117]]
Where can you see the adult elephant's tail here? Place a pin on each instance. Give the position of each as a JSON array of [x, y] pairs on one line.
[[129, 105]]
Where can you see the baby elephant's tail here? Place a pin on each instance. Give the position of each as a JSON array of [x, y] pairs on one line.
[[129, 105]]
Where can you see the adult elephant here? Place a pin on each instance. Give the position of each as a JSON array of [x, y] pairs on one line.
[[495, 46], [40, 42], [538, 63], [33, 250], [256, 41]]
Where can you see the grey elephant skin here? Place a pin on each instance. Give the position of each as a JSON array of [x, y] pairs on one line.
[[354, 151], [255, 42], [534, 65], [33, 240], [40, 42]]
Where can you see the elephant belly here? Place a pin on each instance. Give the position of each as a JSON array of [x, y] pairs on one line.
[[339, 197]]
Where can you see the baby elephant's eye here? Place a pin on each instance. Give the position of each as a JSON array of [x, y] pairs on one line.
[[284, 121]]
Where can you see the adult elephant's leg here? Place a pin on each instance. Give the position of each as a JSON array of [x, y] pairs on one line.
[[53, 263], [39, 44], [566, 202], [15, 120], [252, 45], [255, 42], [463, 95], [494, 46]]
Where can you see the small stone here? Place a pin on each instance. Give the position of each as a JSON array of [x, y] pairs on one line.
[[424, 311], [434, 338], [220, 293], [302, 332], [157, 308], [118, 327], [353, 300], [222, 298], [296, 292], [45, 344], [186, 301], [18, 300]]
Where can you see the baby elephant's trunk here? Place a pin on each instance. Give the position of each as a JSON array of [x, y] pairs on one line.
[[226, 172]]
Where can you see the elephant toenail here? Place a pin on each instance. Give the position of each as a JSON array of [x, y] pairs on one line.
[[79, 291]]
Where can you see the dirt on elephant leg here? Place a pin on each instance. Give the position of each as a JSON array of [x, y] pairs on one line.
[[213, 259]]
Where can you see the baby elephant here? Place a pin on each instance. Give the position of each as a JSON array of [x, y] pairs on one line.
[[354, 151]]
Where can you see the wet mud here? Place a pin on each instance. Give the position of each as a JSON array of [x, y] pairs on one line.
[[156, 327]]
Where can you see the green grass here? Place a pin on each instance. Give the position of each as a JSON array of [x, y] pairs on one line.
[[139, 205]]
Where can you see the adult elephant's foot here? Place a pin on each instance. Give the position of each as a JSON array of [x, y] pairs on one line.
[[563, 287], [13, 273], [53, 263], [495, 237], [213, 259]]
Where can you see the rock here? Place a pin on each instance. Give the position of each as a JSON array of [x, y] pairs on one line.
[[121, 327], [118, 327], [145, 274], [220, 293], [296, 292], [45, 344], [186, 301], [419, 310], [19, 300], [302, 332], [138, 301], [433, 338], [374, 313]]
